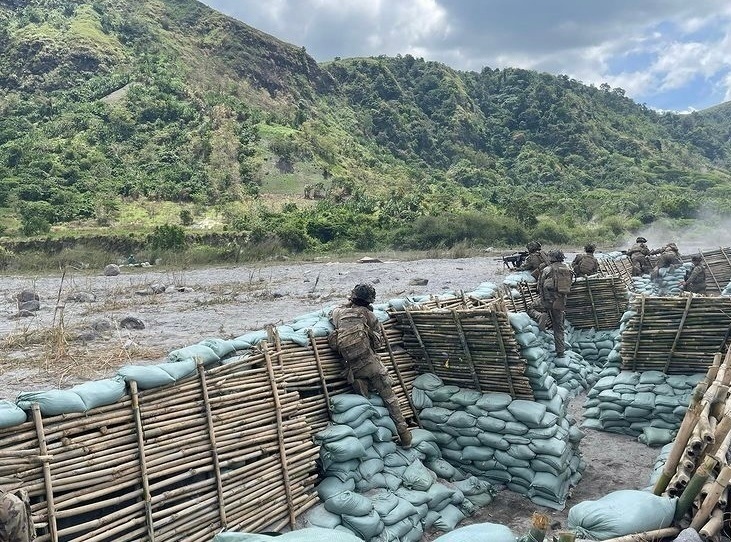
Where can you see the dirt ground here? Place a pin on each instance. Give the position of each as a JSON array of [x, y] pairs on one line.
[[58, 347]]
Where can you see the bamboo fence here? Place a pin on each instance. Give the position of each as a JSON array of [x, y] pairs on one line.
[[469, 347], [621, 267], [718, 268], [595, 302], [675, 335], [229, 447]]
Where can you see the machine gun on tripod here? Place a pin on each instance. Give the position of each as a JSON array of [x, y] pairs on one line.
[[514, 261]]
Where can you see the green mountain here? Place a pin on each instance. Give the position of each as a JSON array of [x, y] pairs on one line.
[[126, 116]]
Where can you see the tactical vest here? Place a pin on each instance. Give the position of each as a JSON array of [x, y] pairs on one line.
[[352, 338], [586, 265]]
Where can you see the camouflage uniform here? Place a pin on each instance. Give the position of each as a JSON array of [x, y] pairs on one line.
[[696, 279], [16, 523], [535, 262], [552, 304], [363, 368], [669, 258], [585, 265], [639, 256]]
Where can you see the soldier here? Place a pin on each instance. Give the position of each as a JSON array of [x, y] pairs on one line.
[[639, 256], [554, 285], [16, 523], [695, 277], [357, 336], [536, 259], [669, 258], [586, 264]]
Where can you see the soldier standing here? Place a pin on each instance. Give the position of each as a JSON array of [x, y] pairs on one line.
[[639, 256], [357, 336], [554, 285], [536, 259], [16, 523], [695, 278], [586, 264]]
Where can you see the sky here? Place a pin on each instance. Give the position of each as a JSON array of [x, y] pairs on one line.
[[672, 55]]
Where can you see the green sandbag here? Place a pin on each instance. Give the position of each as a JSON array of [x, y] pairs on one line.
[[466, 397], [319, 517], [334, 433], [146, 376], [442, 394], [331, 486], [654, 436], [621, 513], [370, 467], [494, 441], [418, 477], [347, 401], [402, 510], [428, 382], [342, 450], [528, 412], [101, 392], [415, 497], [477, 453], [221, 347], [366, 527], [490, 424], [420, 399], [11, 414], [196, 352], [461, 420], [441, 468], [349, 503], [52, 402], [440, 496], [449, 517], [493, 401], [435, 414]]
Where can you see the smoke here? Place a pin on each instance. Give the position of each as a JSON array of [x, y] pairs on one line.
[[708, 231]]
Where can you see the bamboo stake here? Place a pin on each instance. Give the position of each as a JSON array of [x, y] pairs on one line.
[[719, 485], [694, 487], [38, 421], [713, 526], [142, 462], [214, 450], [647, 536], [399, 376], [282, 451]]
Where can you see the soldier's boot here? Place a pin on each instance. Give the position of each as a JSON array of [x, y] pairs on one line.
[[404, 436]]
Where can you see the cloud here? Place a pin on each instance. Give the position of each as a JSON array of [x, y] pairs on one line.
[[593, 42]]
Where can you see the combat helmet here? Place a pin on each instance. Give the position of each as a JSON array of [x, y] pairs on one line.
[[696, 258], [590, 248], [672, 246], [556, 256], [640, 240], [533, 246], [364, 292]]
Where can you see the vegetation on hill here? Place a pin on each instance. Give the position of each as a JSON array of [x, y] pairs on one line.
[[113, 106]]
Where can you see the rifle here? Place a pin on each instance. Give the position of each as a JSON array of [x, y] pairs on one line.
[[514, 261]]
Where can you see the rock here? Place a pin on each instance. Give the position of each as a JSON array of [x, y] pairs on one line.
[[112, 270], [376, 280], [87, 336], [130, 322], [32, 305], [102, 324], [82, 297], [27, 295], [23, 314], [368, 259], [157, 288], [418, 282]]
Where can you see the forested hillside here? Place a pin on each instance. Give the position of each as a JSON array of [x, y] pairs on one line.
[[160, 117]]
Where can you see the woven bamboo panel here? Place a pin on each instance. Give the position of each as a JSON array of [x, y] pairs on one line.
[[472, 348], [621, 267], [597, 302], [676, 335]]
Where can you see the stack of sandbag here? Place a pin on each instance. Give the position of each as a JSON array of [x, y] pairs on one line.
[[512, 280], [650, 404], [484, 291], [594, 346], [544, 370], [657, 467], [377, 490], [531, 447], [666, 284]]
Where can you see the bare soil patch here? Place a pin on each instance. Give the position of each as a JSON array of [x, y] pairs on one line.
[[38, 353]]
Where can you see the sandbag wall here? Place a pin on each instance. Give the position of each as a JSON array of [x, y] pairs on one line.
[[466, 347], [718, 267], [529, 446], [378, 491], [666, 283], [228, 447]]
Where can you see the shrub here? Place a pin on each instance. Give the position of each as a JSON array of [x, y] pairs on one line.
[[167, 237]]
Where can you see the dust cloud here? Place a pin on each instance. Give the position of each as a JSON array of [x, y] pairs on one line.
[[707, 232]]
